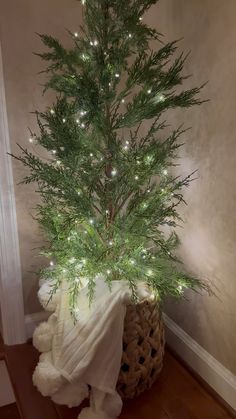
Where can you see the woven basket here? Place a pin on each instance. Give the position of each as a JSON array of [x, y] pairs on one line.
[[143, 349]]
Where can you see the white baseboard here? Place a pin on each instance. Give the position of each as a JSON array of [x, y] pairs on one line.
[[6, 392], [205, 365]]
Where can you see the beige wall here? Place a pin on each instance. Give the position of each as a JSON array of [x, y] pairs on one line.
[[19, 21], [209, 234], [208, 239]]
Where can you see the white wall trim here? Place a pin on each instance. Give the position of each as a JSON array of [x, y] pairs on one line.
[[212, 371], [11, 295]]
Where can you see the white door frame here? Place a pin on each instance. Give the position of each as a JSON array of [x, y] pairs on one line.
[[11, 294]]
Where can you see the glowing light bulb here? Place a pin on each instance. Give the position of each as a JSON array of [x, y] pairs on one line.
[[117, 75], [136, 177], [58, 162], [114, 172], [83, 2], [77, 121], [91, 43], [125, 147], [123, 100], [138, 162], [31, 140], [148, 190], [54, 152], [91, 221], [69, 239], [52, 111], [95, 43], [180, 288], [127, 142], [51, 263], [108, 272], [110, 243], [130, 35], [165, 172], [77, 280], [140, 18], [76, 34], [82, 125], [107, 212], [64, 120], [79, 193], [64, 270], [91, 154]]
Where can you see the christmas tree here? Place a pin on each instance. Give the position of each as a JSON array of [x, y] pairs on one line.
[[106, 184]]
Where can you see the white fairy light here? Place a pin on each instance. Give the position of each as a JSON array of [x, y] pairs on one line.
[[149, 91], [76, 34], [64, 270], [62, 148], [127, 142], [91, 154], [58, 162], [82, 125], [165, 172], [107, 212], [130, 35], [161, 98], [91, 221], [51, 263], [83, 2], [77, 121], [136, 177], [82, 113], [95, 43], [148, 190], [117, 75], [79, 193], [123, 100], [69, 239], [149, 272], [114, 172], [125, 147], [138, 162], [54, 152], [109, 84], [145, 205], [108, 272], [180, 288], [31, 140], [140, 18], [64, 120], [52, 111], [91, 43], [132, 261], [110, 243]]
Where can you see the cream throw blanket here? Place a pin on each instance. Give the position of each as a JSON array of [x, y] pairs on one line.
[[85, 353]]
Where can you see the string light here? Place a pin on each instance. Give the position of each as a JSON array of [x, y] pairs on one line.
[[123, 100], [130, 35], [125, 147], [58, 162], [91, 221], [114, 172], [95, 43], [91, 154], [107, 212], [117, 75], [51, 263], [82, 113], [76, 34], [108, 272], [136, 177], [31, 140], [110, 243], [180, 288], [54, 152], [138, 162], [52, 111], [82, 125], [149, 272], [64, 270], [64, 120], [148, 190], [165, 172], [91, 43], [140, 18], [83, 2], [132, 261], [77, 121], [79, 193], [149, 91]]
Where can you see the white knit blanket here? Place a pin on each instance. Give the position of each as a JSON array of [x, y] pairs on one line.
[[85, 353]]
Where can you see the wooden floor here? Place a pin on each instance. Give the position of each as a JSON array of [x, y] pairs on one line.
[[176, 395]]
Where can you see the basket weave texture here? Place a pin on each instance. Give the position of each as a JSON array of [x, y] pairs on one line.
[[143, 349]]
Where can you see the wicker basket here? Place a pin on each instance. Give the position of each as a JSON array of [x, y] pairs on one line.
[[143, 349]]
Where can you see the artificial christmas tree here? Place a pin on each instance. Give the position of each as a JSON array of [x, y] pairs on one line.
[[107, 188]]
